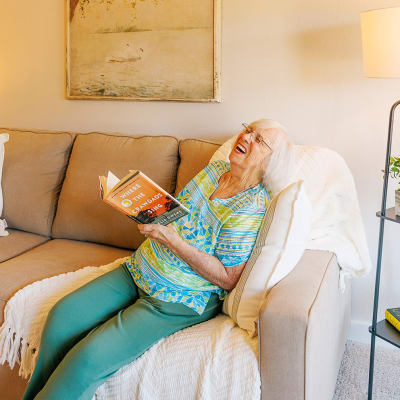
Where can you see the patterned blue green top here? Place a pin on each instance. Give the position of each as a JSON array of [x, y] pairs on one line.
[[225, 228]]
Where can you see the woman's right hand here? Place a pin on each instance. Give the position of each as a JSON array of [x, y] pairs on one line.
[[165, 235]]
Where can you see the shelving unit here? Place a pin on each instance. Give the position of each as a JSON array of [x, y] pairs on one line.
[[390, 215], [383, 329], [386, 332]]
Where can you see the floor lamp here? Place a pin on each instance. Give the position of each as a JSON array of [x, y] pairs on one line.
[[380, 31]]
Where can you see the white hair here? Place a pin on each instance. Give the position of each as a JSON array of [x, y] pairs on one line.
[[280, 165]]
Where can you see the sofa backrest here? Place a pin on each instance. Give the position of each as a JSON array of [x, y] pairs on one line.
[[33, 171], [36, 170], [194, 156], [81, 214]]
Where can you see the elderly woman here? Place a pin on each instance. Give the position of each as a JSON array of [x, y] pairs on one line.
[[178, 277]]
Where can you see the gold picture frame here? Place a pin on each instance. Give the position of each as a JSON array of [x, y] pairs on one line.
[[143, 50]]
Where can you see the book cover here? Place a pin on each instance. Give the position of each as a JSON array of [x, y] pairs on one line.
[[140, 198], [392, 315]]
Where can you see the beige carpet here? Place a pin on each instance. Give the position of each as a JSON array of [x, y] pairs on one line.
[[352, 383]]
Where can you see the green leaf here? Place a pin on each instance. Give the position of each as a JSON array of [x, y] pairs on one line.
[[394, 168]]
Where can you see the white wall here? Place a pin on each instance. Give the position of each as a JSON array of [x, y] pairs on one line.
[[297, 61]]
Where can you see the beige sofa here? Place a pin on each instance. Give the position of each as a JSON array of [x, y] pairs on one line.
[[57, 223]]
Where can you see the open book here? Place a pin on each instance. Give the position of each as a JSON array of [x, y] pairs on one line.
[[140, 198]]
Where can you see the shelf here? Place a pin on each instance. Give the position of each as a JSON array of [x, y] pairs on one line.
[[389, 214], [387, 332]]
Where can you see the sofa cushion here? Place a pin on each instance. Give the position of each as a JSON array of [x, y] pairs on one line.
[[81, 214], [2, 305], [17, 242], [53, 258], [12, 386], [34, 167], [3, 138], [195, 155]]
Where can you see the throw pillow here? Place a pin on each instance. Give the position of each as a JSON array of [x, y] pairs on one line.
[[223, 152], [3, 225], [280, 244]]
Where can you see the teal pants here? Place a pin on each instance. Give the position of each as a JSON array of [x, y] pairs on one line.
[[102, 326]]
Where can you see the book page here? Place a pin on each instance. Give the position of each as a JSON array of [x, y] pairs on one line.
[[112, 180], [123, 181]]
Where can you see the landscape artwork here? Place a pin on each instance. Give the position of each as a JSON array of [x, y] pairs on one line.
[[143, 50]]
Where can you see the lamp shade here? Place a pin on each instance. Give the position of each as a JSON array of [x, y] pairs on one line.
[[380, 32]]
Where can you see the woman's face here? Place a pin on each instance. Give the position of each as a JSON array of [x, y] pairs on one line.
[[252, 147]]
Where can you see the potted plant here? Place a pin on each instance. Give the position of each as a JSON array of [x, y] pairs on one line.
[[394, 172]]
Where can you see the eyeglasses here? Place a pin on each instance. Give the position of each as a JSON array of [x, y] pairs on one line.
[[255, 136]]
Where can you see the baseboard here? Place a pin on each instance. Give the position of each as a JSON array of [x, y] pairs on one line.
[[359, 333]]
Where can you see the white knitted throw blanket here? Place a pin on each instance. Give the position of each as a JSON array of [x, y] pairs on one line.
[[336, 224], [212, 360]]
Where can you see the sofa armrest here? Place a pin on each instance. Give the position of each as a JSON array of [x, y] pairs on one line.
[[295, 323]]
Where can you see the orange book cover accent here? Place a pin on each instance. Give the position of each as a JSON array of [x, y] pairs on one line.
[[141, 199]]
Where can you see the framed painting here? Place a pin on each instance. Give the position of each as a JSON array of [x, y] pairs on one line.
[[143, 50]]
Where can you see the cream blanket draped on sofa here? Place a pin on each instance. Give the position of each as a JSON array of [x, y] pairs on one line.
[[225, 366], [337, 224]]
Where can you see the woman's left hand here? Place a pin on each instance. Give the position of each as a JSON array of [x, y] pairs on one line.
[[165, 235]]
